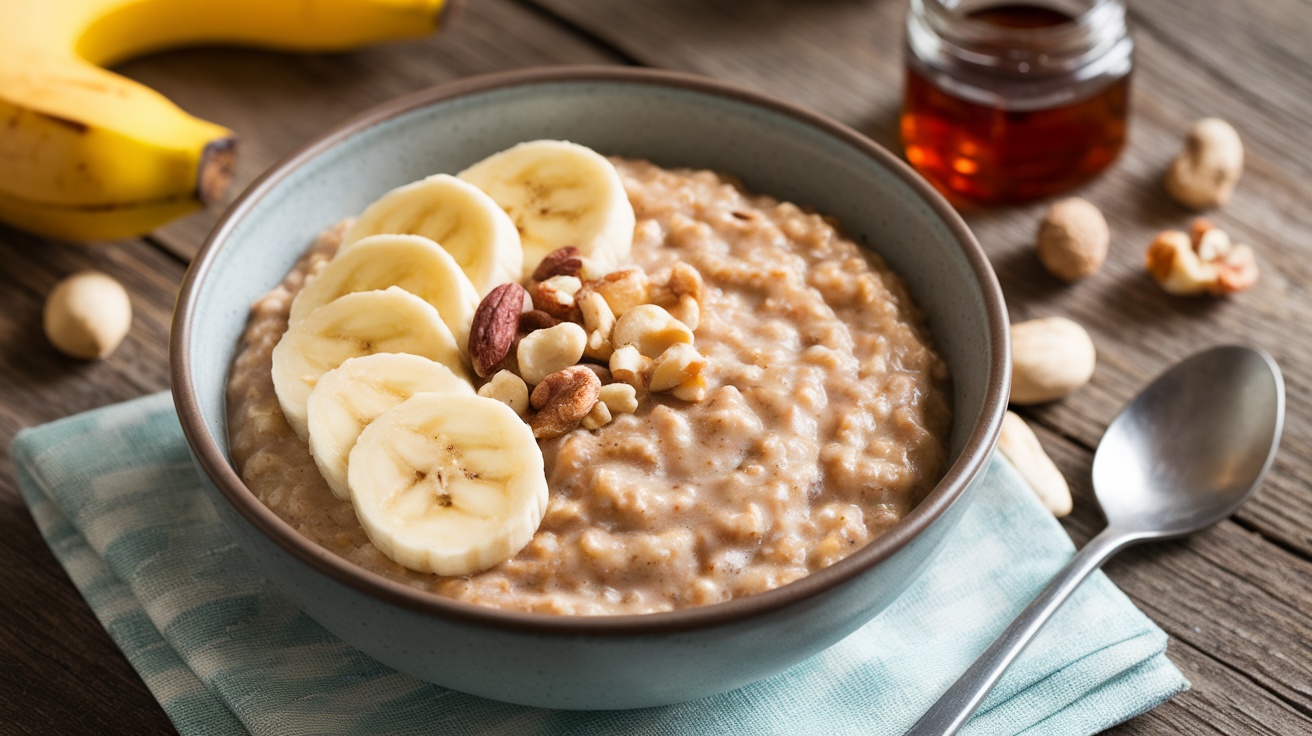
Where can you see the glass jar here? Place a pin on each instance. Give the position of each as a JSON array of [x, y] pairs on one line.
[[1008, 102]]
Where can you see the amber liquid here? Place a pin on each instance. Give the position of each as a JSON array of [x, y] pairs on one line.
[[995, 156]]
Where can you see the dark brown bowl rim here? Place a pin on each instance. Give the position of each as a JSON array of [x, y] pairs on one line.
[[963, 471]]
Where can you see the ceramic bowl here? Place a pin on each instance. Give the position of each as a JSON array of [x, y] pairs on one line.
[[674, 120]]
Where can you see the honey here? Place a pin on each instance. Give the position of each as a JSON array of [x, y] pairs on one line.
[[1007, 103]]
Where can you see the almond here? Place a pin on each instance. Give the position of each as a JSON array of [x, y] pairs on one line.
[[563, 399], [494, 327]]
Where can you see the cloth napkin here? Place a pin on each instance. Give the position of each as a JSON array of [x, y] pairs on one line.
[[119, 502]]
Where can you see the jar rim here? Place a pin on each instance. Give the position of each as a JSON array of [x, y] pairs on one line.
[[1066, 35]]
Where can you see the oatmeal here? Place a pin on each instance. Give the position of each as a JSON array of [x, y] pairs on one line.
[[824, 422]]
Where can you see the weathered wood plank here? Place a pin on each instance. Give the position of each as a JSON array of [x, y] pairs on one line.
[[1220, 703], [276, 102], [60, 672]]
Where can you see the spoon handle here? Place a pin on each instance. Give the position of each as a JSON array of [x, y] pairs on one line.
[[956, 705]]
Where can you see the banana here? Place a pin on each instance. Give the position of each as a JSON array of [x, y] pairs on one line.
[[389, 321], [411, 262], [457, 216], [355, 393], [448, 484], [90, 155], [559, 194]]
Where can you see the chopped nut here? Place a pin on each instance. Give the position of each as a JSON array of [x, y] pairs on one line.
[[629, 366], [598, 321], [679, 363], [692, 390], [563, 398], [591, 270], [547, 351], [494, 327], [1205, 262], [620, 398], [622, 290], [555, 296], [509, 389], [1204, 174], [1050, 358], [564, 261], [87, 315], [686, 281], [1073, 239], [687, 311], [1019, 444], [598, 417], [650, 329]]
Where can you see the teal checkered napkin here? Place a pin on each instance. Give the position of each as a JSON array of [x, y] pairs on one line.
[[118, 500]]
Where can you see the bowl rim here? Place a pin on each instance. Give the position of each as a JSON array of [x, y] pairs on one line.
[[963, 471]]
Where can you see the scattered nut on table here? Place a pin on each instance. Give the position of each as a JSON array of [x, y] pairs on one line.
[[1204, 174], [1050, 358], [1204, 261], [1072, 240], [1018, 443], [87, 315]]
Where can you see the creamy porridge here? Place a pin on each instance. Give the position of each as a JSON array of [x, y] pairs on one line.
[[825, 421]]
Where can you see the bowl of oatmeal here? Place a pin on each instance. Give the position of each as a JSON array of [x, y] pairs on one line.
[[800, 431]]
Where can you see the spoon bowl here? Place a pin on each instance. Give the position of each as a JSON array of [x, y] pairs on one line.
[[1193, 445]]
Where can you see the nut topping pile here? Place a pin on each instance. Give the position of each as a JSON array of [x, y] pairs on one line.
[[577, 347]]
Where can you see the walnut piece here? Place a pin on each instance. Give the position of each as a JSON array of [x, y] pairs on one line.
[[563, 399]]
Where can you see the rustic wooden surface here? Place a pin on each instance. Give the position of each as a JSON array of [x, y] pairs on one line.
[[1236, 600]]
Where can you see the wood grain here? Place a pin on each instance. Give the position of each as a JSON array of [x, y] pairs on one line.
[[59, 671], [1236, 600]]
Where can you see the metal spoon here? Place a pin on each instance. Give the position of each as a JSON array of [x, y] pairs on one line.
[[1183, 455]]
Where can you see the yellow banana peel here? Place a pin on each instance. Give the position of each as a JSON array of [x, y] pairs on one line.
[[86, 154]]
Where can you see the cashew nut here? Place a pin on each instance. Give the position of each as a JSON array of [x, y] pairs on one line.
[[1204, 174], [87, 315]]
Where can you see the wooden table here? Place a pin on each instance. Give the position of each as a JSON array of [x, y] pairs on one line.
[[1236, 600]]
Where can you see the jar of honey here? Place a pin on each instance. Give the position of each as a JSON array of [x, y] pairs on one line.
[[1009, 102]]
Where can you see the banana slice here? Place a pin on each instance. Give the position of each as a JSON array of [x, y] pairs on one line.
[[448, 484], [363, 323], [411, 262], [454, 214], [355, 393], [559, 194]]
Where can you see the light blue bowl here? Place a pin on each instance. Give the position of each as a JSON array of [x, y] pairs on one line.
[[674, 120]]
